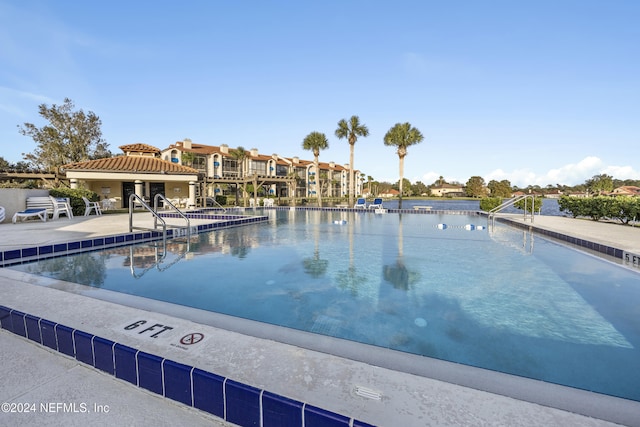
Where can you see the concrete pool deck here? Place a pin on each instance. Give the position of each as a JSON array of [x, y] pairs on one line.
[[32, 373]]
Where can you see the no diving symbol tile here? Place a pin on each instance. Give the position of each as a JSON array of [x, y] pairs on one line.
[[193, 338], [189, 340]]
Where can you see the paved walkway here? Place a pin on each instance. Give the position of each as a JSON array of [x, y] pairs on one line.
[[43, 388], [32, 374], [616, 235]]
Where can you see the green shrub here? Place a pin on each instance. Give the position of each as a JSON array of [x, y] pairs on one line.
[[221, 200], [488, 203], [622, 208], [626, 209], [535, 207], [571, 205]]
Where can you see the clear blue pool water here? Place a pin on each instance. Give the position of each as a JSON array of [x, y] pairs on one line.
[[502, 300]]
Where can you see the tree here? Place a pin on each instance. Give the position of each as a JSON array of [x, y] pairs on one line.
[[187, 158], [4, 165], [420, 188], [384, 187], [240, 155], [351, 130], [500, 189], [404, 187], [475, 187], [600, 183], [315, 142], [71, 136], [402, 135]]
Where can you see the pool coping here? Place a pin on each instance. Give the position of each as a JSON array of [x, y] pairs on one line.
[[566, 238], [230, 400]]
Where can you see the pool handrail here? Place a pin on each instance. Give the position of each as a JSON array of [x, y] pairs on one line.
[[135, 199], [491, 217], [213, 199]]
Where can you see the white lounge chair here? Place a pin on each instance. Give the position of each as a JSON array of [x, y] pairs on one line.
[[2, 213], [61, 205], [361, 203], [377, 203], [28, 213], [91, 206]]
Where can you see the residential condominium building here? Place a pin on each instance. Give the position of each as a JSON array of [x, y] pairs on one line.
[[279, 176]]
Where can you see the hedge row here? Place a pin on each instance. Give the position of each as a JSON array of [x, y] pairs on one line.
[[621, 208]]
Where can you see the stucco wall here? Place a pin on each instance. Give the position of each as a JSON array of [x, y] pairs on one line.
[[15, 199]]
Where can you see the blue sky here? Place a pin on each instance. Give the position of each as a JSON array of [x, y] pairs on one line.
[[536, 92]]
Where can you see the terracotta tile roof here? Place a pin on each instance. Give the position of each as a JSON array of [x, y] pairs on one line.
[[140, 148], [260, 157], [449, 186], [630, 190], [197, 148], [302, 162], [212, 149], [140, 164], [336, 167]]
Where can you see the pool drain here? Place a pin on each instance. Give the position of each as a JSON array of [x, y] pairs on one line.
[[367, 393]]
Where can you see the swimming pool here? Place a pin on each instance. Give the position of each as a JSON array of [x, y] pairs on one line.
[[502, 300]]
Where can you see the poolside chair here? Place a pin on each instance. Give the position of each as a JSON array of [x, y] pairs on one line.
[[61, 205], [28, 213], [1, 213], [108, 204], [91, 206], [377, 203], [361, 203]]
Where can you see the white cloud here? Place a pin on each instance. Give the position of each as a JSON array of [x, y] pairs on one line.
[[570, 174], [622, 172], [429, 178], [519, 177]]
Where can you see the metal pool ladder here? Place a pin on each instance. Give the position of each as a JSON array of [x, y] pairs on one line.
[[491, 218], [134, 199]]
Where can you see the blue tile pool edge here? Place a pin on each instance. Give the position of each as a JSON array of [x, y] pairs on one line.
[[165, 377], [30, 254]]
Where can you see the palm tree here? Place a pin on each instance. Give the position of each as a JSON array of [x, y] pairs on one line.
[[315, 142], [351, 130], [402, 135], [240, 155]]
